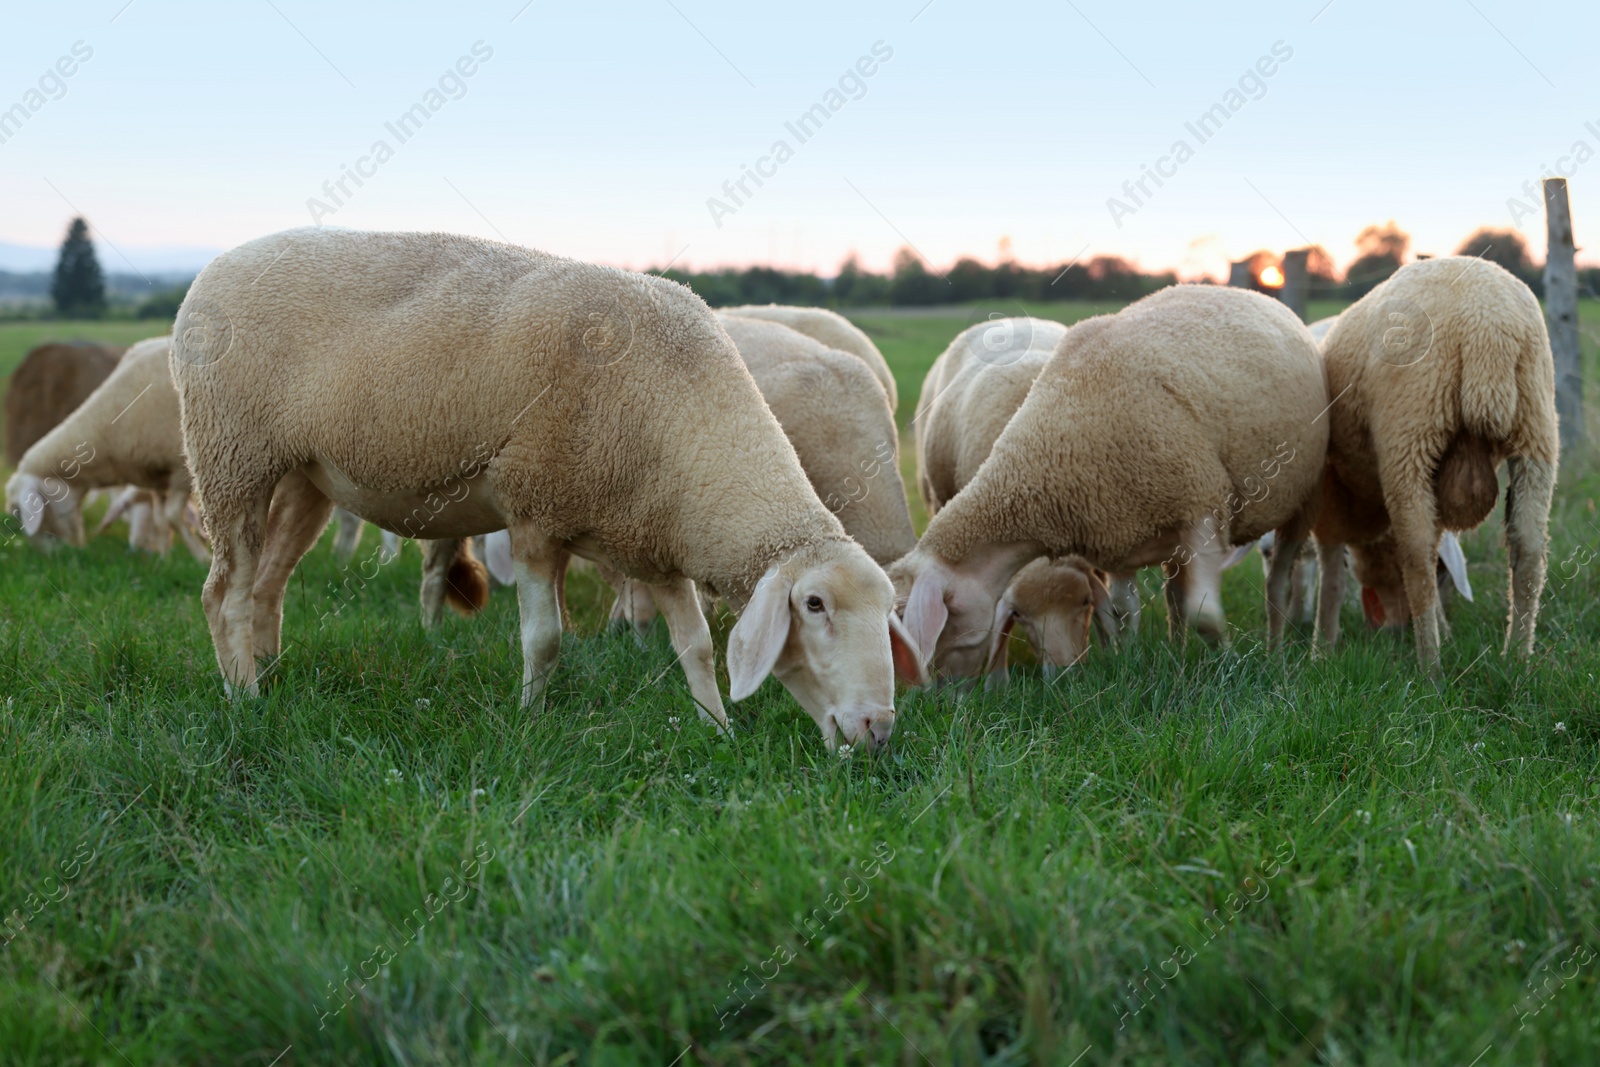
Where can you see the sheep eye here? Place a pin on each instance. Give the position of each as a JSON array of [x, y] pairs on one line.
[[814, 603]]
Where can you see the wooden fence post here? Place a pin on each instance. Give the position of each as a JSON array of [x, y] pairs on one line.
[[1561, 311], [1239, 275], [1295, 281]]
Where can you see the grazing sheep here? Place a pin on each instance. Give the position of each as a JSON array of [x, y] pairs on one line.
[[125, 433], [832, 329], [970, 393], [1439, 375], [48, 385], [830, 408], [1184, 423], [444, 387]]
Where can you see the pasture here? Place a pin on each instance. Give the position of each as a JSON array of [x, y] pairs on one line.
[[1172, 855]]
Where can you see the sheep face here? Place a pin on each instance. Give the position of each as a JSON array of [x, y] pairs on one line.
[[47, 509], [953, 616], [1054, 602], [827, 630]]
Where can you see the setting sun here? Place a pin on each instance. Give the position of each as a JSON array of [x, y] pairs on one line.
[[1271, 277]]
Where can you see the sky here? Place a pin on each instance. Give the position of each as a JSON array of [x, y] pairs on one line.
[[616, 131]]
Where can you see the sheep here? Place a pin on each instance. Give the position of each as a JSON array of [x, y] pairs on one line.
[[1439, 374], [830, 328], [1184, 423], [446, 386], [1382, 603], [830, 408], [48, 385], [125, 433], [968, 396]]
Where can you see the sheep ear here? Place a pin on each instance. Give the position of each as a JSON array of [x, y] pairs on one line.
[[1235, 557], [758, 637], [1005, 617], [1372, 606], [1455, 561], [497, 557], [909, 665], [926, 612], [30, 504]]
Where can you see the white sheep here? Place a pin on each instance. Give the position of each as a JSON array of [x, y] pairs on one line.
[[830, 408], [830, 328], [444, 386], [1183, 424], [970, 393], [1438, 375], [125, 433]]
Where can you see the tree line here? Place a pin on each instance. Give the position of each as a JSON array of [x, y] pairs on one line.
[[78, 290]]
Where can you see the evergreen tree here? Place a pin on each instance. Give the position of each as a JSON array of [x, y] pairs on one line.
[[79, 287]]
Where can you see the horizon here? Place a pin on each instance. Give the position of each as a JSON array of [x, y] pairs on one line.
[[704, 137]]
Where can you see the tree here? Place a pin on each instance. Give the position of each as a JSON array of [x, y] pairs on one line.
[[1383, 248], [1505, 247], [79, 288], [913, 284]]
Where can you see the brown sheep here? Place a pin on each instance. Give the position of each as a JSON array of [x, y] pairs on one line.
[[48, 385]]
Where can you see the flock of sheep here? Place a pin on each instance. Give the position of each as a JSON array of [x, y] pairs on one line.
[[447, 388]]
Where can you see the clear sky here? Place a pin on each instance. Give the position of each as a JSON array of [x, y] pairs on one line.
[[601, 130]]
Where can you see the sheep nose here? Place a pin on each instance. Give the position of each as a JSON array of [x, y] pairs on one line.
[[877, 731]]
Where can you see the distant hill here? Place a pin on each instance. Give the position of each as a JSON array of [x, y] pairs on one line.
[[33, 287]]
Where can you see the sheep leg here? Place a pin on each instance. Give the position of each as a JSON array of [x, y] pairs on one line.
[[1124, 606], [1198, 583], [1330, 597], [1303, 592], [436, 559], [633, 607], [691, 638], [298, 515], [348, 538], [1416, 539], [539, 564], [228, 593], [1531, 484], [1172, 592], [1288, 540], [173, 509]]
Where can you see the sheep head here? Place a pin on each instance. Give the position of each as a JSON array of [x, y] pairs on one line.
[[46, 508], [824, 623]]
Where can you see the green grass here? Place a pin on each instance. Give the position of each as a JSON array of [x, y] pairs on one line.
[[594, 883]]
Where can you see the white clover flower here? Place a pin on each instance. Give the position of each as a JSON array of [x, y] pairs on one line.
[[846, 752], [394, 777], [1365, 816], [423, 703], [1561, 727]]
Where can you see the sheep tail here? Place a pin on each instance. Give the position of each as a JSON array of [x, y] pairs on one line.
[[466, 584], [1489, 359]]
